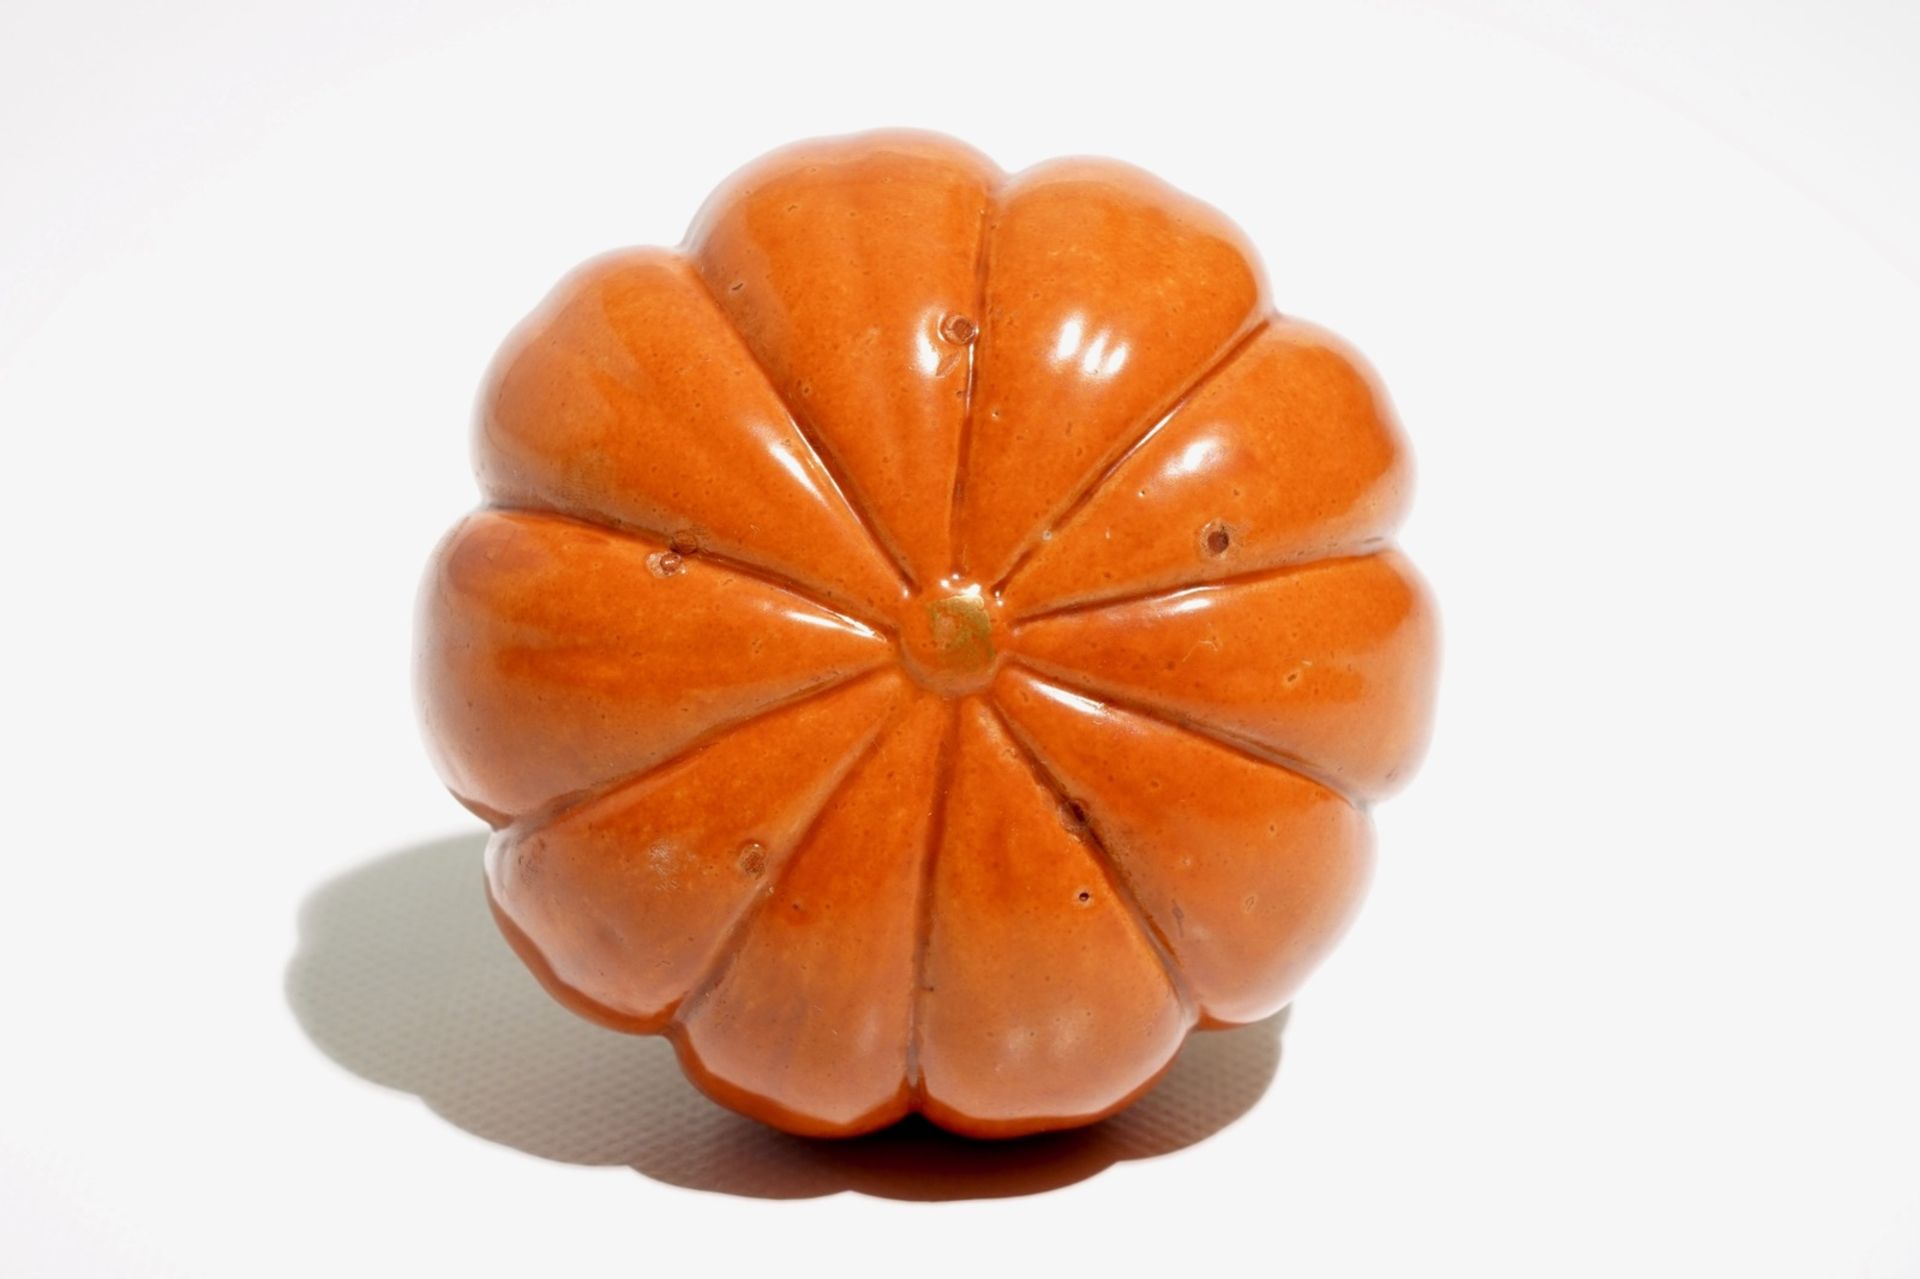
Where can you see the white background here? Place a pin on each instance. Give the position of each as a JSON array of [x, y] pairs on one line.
[[1636, 989]]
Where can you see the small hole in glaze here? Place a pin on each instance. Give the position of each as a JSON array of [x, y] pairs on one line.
[[1073, 816], [958, 329], [1215, 540], [1084, 897], [753, 858], [665, 563]]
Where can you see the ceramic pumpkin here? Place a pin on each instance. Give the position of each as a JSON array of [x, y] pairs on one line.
[[931, 640]]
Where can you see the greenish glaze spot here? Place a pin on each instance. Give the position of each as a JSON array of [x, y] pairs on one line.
[[962, 632]]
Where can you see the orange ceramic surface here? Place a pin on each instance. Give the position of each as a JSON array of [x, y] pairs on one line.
[[931, 639]]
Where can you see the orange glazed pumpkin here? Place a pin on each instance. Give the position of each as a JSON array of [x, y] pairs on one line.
[[931, 639]]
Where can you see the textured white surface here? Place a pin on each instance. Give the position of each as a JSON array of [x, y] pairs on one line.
[[1632, 994]]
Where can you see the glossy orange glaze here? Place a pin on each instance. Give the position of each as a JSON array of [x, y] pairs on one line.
[[931, 639]]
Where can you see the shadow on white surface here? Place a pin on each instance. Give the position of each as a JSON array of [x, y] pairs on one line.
[[401, 977]]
